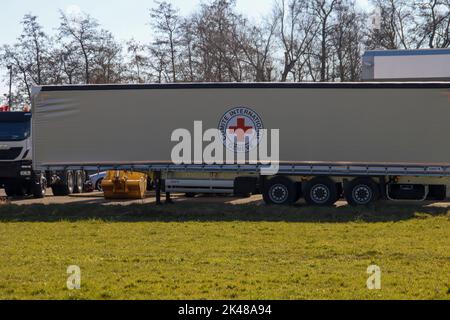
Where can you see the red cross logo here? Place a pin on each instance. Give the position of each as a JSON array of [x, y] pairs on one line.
[[240, 129]]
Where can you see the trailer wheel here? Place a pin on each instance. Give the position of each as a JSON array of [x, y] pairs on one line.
[[78, 182], [321, 191], [64, 187], [362, 192], [280, 191], [69, 184]]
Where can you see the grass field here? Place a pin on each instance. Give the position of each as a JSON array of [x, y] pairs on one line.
[[224, 252]]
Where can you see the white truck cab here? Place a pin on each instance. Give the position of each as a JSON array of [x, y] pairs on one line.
[[16, 174]]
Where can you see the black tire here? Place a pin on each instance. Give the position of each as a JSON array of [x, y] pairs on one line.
[[18, 189], [39, 187], [57, 190], [321, 191], [98, 185], [190, 195], [280, 191], [64, 187], [78, 182], [10, 190], [362, 192]]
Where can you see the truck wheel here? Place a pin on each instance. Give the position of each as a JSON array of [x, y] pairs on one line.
[[18, 189], [10, 190], [321, 191], [39, 188], [78, 182], [362, 192], [280, 191]]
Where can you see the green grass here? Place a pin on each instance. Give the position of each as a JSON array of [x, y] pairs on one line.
[[224, 252]]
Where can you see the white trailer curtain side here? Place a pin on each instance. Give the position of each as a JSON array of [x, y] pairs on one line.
[[401, 124]]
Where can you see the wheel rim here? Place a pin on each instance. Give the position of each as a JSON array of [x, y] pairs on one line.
[[362, 194], [70, 182], [99, 185], [279, 193], [43, 186], [320, 194], [79, 182]]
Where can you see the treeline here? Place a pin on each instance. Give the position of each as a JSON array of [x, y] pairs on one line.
[[300, 40]]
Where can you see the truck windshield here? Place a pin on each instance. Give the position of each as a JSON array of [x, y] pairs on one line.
[[14, 131]]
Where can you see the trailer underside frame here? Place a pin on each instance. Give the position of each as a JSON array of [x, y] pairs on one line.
[[305, 169]]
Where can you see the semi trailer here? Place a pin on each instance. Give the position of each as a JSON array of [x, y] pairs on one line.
[[17, 176], [317, 141]]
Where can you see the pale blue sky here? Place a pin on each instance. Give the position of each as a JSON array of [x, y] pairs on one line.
[[125, 19]]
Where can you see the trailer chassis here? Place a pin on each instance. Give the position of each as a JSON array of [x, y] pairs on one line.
[[415, 182]]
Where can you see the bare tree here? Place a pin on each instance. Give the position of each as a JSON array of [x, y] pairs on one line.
[[432, 23], [107, 61], [36, 42], [347, 37], [14, 57], [189, 62], [159, 63], [71, 66], [324, 10], [166, 24], [219, 52], [396, 22], [297, 30], [82, 33], [257, 45], [29, 57], [138, 60]]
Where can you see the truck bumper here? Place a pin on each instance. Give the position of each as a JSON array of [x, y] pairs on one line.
[[17, 170]]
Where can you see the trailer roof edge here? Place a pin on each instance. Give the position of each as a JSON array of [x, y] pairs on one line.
[[251, 85], [416, 52]]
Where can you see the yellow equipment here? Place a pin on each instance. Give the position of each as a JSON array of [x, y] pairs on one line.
[[124, 185]]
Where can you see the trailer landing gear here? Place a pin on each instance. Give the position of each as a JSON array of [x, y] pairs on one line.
[[159, 188], [168, 198]]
